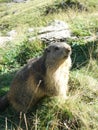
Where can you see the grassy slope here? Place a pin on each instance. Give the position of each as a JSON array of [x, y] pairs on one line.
[[80, 111]]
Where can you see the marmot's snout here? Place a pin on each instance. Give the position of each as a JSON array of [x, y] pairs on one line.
[[67, 51]]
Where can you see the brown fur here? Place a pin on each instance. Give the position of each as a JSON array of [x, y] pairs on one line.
[[44, 76]]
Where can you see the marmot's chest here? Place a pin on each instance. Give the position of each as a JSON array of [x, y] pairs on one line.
[[56, 82]]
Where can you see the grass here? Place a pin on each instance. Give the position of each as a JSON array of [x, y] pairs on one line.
[[80, 111]]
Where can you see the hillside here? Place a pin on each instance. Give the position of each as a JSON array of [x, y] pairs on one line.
[[80, 111]]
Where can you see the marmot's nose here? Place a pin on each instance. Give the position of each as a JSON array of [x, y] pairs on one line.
[[68, 50]]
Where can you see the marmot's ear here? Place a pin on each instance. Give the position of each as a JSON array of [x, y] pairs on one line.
[[47, 50], [44, 54]]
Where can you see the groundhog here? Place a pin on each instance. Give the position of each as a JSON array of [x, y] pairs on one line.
[[43, 76]]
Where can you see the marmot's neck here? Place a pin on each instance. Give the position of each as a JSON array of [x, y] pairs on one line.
[[56, 66], [57, 79], [57, 71]]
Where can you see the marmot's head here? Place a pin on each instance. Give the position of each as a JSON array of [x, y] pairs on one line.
[[57, 53]]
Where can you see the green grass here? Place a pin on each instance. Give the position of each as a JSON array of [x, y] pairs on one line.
[[80, 111]]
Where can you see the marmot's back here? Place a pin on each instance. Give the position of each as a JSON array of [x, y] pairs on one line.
[[24, 85], [47, 75]]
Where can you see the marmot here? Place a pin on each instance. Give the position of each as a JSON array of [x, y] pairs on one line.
[[43, 76]]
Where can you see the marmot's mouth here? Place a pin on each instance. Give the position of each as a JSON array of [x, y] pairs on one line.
[[65, 56]]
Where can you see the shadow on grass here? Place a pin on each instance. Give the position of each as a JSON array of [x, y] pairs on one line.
[[5, 79], [7, 117], [82, 54], [5, 82]]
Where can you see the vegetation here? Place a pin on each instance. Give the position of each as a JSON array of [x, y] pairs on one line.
[[80, 111]]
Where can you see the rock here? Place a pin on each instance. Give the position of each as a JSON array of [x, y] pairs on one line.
[[91, 38], [10, 36], [4, 40], [31, 30], [55, 31], [55, 25], [12, 33]]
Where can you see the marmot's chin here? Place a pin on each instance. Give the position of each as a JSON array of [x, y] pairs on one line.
[[65, 56]]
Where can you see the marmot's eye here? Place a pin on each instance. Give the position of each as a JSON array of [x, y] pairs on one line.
[[57, 48], [47, 50]]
